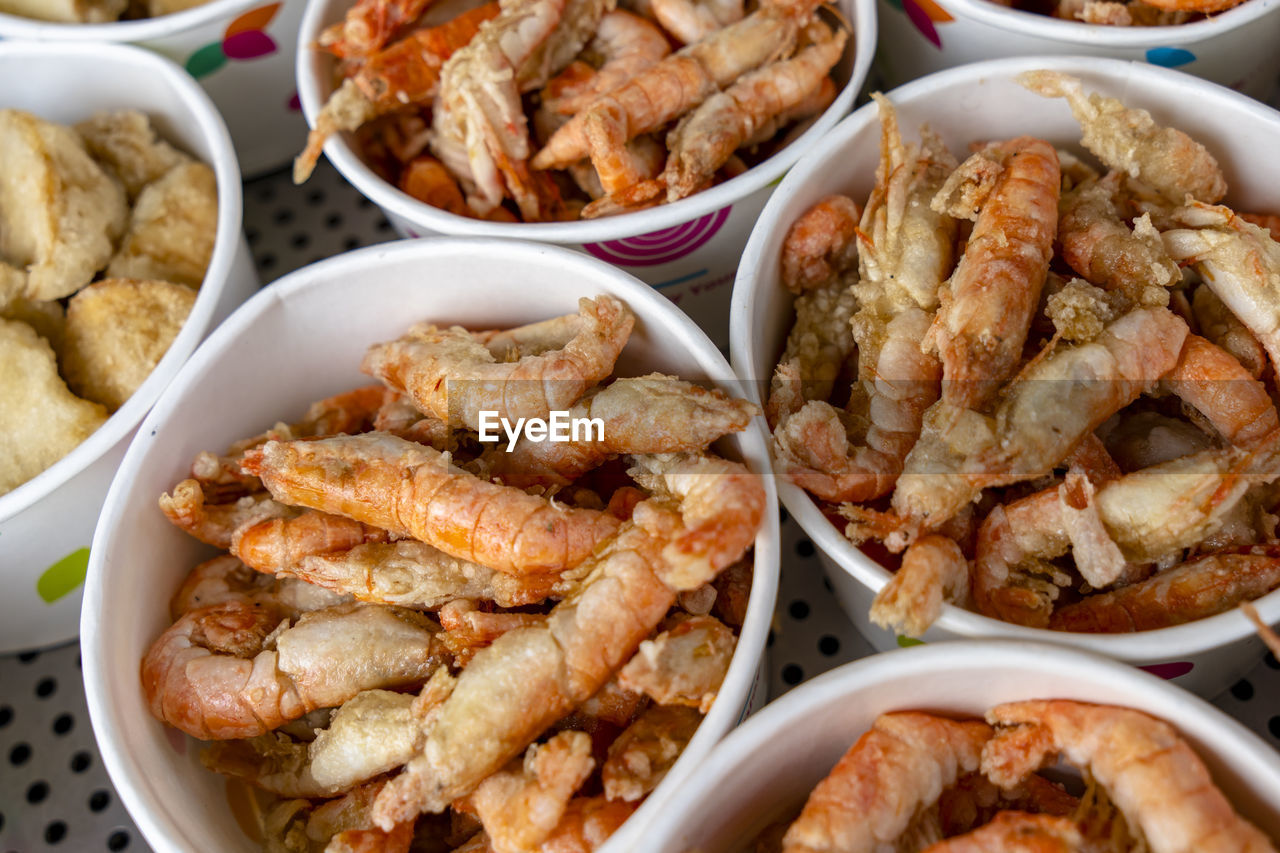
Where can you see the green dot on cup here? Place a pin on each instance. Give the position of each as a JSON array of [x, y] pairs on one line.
[[63, 576]]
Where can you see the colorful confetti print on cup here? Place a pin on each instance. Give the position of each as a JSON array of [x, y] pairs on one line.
[[924, 14], [1170, 57], [245, 38], [660, 247]]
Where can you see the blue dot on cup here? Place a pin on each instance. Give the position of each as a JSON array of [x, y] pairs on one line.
[[1170, 57]]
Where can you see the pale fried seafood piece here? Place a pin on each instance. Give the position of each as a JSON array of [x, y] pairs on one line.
[[1149, 438], [172, 228], [645, 414], [412, 491], [277, 545], [675, 85], [706, 137], [1152, 775], [117, 332], [623, 45], [692, 20], [821, 245], [40, 420], [1044, 414], [273, 762], [900, 766], [1129, 141], [646, 750], [684, 665], [413, 574], [67, 11], [1017, 832], [1196, 589], [1223, 328], [126, 141], [1210, 380], [48, 318], [988, 303], [933, 570], [215, 524], [468, 629], [1098, 245], [587, 824], [450, 374], [1238, 261], [225, 578], [1268, 221], [1079, 311], [818, 347], [336, 826], [532, 676], [61, 213], [238, 670], [521, 805], [399, 416]]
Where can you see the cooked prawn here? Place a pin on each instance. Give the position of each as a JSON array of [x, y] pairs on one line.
[[413, 491], [369, 25], [693, 20], [683, 665], [587, 824], [1016, 832], [1198, 588], [450, 374], [278, 544], [238, 670], [640, 757], [646, 414], [623, 46], [988, 303], [1268, 221], [1129, 141], [821, 244], [214, 524], [1220, 388], [869, 798], [468, 629], [225, 578], [819, 347], [1223, 328], [933, 570], [1152, 775]]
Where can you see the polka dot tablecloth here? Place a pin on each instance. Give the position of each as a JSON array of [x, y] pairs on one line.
[[54, 792]]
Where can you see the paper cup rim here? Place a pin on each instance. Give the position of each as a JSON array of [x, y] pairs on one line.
[[664, 216], [210, 126], [1141, 646], [142, 794], [1096, 35], [143, 29], [848, 681]]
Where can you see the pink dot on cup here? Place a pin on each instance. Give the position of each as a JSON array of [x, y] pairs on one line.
[[1169, 670], [249, 44]]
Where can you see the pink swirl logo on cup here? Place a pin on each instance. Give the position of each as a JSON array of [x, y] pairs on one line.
[[660, 247]]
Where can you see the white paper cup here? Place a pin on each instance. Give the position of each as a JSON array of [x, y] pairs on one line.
[[975, 102], [1236, 48], [46, 524], [300, 340], [241, 52], [688, 250], [766, 767]]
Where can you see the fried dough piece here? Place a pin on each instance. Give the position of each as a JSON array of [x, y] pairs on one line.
[[172, 230], [60, 212], [40, 420], [117, 332], [49, 319], [67, 11], [125, 141]]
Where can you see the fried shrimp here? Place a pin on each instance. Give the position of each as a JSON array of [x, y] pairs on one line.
[[645, 414], [1223, 328], [453, 376], [821, 244], [278, 544], [1210, 379], [624, 45], [1160, 786], [641, 756], [988, 303], [238, 670], [225, 578], [894, 770], [684, 665], [933, 570], [1129, 141], [413, 491], [215, 524], [818, 348], [1016, 832]]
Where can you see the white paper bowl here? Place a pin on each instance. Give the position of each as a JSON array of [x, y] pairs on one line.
[[768, 765], [982, 101], [297, 341], [241, 52], [1236, 48], [689, 250], [48, 521]]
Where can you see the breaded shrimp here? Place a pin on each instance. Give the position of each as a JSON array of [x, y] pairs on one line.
[[238, 670], [693, 20], [1151, 774], [1129, 141], [1210, 379], [1016, 832], [215, 524], [869, 798], [818, 347], [640, 757], [821, 244], [453, 376], [645, 414], [1223, 328], [683, 665], [225, 578], [988, 303], [279, 544], [933, 570], [412, 491], [1196, 589], [623, 46]]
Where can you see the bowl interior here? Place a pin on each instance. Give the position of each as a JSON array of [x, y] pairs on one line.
[[76, 81], [801, 736], [298, 341], [974, 103], [315, 75]]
